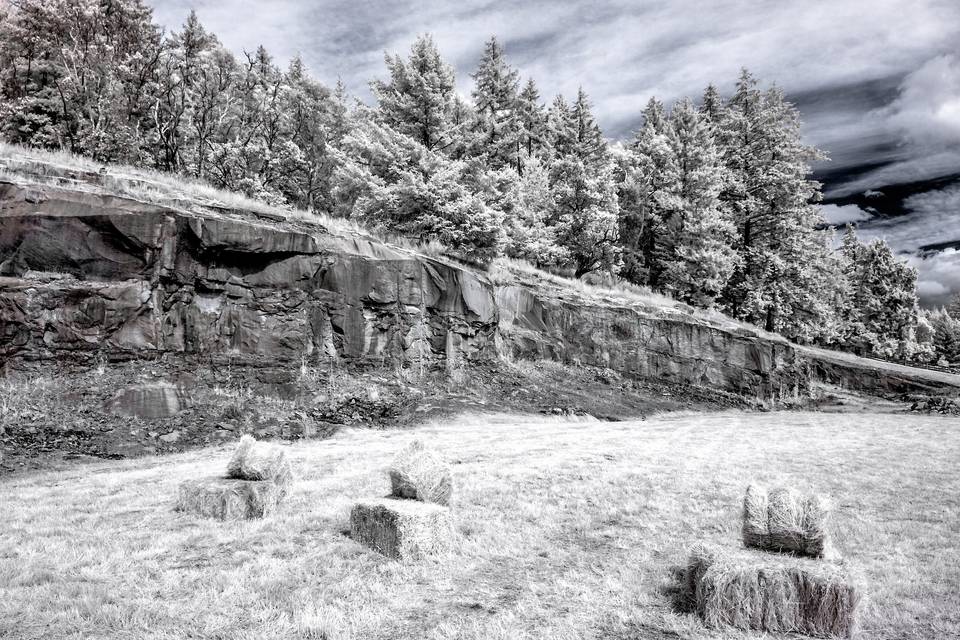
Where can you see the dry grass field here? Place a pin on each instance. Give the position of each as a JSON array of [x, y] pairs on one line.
[[564, 530]]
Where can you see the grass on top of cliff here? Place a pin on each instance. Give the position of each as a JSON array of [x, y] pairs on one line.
[[158, 187], [564, 529]]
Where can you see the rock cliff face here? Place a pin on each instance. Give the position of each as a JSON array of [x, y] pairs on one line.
[[87, 275]]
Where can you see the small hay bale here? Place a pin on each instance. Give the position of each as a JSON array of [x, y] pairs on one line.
[[256, 461], [783, 519], [404, 529], [418, 473], [780, 594], [229, 499]]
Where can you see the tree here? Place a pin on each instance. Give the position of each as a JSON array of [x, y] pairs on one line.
[[529, 233], [496, 126], [419, 97], [582, 187], [882, 308], [770, 199], [391, 181], [648, 192], [696, 239], [80, 74], [533, 120]]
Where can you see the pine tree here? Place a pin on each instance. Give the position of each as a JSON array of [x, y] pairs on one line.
[[770, 198], [711, 106], [496, 125], [649, 198], [696, 238], [582, 185], [392, 182], [533, 120], [882, 307], [418, 99], [530, 235]]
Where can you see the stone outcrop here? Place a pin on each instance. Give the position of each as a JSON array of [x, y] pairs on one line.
[[87, 275], [84, 272]]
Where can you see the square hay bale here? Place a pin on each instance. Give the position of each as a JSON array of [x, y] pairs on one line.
[[784, 519], [229, 498], [418, 473], [747, 589], [404, 529], [257, 461]]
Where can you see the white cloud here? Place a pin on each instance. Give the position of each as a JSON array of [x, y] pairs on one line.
[[837, 215], [925, 118], [938, 277]]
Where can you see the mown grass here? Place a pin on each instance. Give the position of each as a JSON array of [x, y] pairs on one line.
[[565, 530]]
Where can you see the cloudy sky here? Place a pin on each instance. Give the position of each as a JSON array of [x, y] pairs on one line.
[[877, 81]]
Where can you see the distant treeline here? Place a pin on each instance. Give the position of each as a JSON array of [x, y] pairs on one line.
[[710, 201]]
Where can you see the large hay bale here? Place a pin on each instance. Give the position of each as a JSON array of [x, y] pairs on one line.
[[404, 529], [418, 473], [781, 594], [229, 499], [256, 461], [783, 519]]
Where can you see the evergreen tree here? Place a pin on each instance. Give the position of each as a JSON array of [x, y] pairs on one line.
[[583, 190], [711, 106], [530, 235], [533, 120], [945, 340], [649, 198], [496, 125], [696, 239], [882, 306], [391, 181], [418, 99], [80, 75], [771, 201]]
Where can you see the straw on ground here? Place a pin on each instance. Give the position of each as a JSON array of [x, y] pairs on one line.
[[564, 530]]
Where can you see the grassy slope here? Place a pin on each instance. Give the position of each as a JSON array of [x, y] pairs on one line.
[[566, 530]]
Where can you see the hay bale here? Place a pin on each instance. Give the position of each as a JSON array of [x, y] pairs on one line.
[[229, 499], [257, 461], [418, 473], [780, 594], [403, 529], [783, 519]]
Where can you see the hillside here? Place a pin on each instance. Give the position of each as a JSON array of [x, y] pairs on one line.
[[160, 297]]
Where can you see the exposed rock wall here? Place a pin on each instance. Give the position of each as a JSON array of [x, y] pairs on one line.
[[84, 272], [87, 275], [661, 344]]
